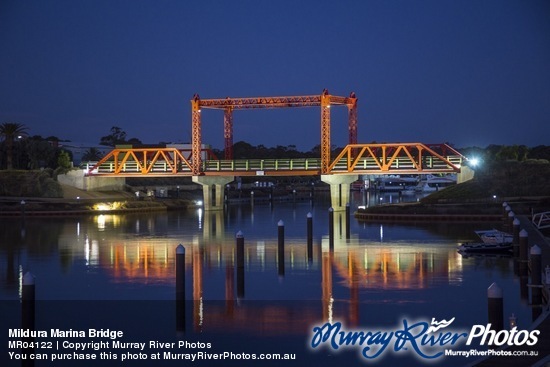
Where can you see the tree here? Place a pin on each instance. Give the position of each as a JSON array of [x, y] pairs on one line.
[[40, 153], [117, 136], [64, 160], [540, 152], [9, 131], [92, 154]]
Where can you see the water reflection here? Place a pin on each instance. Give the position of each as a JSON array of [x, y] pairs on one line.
[[382, 271]]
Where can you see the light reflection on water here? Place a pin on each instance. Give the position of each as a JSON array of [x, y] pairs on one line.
[[383, 272]]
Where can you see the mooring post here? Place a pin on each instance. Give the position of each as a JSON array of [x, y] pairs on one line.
[[180, 273], [309, 237], [27, 317], [511, 217], [180, 289], [331, 228], [495, 307], [507, 209], [515, 231], [523, 245], [535, 259], [281, 247], [28, 301], [536, 265], [239, 238], [504, 212], [515, 238]]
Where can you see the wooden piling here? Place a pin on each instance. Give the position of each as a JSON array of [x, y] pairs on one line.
[[28, 301], [509, 224], [180, 289], [239, 238], [535, 260], [281, 247], [180, 273], [495, 307]]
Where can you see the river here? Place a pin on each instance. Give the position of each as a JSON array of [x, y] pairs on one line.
[[117, 272]]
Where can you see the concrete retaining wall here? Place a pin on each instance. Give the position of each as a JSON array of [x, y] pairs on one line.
[[77, 179]]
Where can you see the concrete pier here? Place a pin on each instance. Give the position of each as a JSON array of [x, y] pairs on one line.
[[213, 200], [339, 189]]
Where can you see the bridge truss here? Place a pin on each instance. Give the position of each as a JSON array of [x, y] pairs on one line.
[[396, 158], [392, 158], [325, 101]]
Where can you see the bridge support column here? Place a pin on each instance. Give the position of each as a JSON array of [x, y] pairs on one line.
[[339, 189], [213, 201]]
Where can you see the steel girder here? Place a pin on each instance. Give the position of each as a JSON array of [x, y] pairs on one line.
[[228, 132], [196, 135], [325, 101], [276, 102], [352, 119], [325, 132]]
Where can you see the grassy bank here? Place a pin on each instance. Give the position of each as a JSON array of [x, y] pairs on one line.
[[525, 184], [29, 184]]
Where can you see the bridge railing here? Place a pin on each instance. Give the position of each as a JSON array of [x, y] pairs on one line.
[[255, 165]]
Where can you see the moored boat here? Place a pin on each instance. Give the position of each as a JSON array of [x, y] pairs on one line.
[[483, 247], [495, 236]]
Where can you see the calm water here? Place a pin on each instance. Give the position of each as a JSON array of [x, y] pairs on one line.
[[118, 271]]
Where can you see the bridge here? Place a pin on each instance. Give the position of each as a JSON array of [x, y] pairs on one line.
[[209, 171]]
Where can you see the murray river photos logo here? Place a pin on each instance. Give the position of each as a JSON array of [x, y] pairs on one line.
[[424, 340]]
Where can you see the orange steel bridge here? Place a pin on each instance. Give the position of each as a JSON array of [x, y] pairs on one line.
[[387, 158], [395, 158]]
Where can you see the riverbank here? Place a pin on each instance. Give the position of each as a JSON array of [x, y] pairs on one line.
[[481, 210], [80, 202]]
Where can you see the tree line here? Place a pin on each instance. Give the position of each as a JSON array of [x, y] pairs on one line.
[[19, 150]]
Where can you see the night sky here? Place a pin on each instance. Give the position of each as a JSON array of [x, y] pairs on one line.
[[470, 72]]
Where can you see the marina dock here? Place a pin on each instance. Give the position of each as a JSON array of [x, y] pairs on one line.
[[542, 323]]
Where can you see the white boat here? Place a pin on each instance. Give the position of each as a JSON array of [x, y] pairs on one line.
[[408, 190], [433, 183], [495, 236], [482, 247]]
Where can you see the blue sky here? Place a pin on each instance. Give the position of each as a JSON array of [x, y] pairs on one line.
[[468, 72]]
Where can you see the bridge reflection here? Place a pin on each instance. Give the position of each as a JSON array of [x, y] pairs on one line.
[[329, 285]]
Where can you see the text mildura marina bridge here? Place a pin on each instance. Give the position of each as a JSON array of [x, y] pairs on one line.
[[208, 170]]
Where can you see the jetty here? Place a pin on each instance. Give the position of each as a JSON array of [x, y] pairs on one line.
[[537, 355]]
